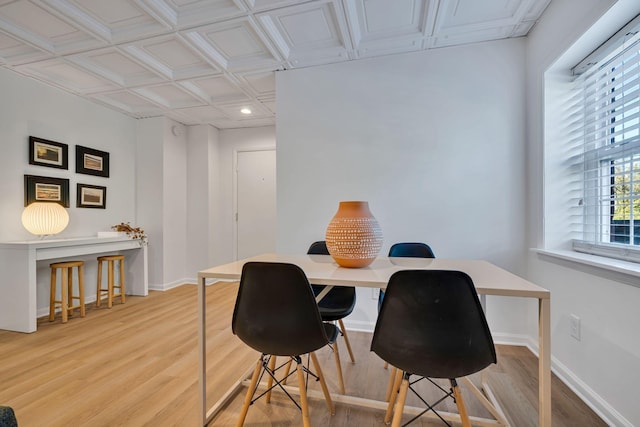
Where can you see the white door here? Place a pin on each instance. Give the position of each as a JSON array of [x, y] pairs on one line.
[[256, 203]]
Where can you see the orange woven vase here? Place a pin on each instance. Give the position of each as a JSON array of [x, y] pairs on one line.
[[353, 236]]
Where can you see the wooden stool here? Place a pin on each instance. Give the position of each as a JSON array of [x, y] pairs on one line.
[[110, 259], [66, 289]]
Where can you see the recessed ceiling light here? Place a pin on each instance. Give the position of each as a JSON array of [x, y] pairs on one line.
[[245, 110]]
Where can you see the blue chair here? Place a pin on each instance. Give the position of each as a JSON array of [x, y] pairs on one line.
[[410, 250], [431, 324]]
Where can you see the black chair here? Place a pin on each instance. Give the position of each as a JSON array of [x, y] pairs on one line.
[[404, 250], [339, 301], [431, 324], [276, 314], [7, 417]]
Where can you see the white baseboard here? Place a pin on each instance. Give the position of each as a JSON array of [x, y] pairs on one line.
[[167, 286], [593, 400], [605, 411]]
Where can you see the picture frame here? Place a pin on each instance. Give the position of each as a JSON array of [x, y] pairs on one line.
[[90, 161], [46, 189], [52, 154], [91, 196]]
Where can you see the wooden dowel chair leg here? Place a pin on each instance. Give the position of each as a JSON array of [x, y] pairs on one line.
[[287, 369], [323, 384], [395, 379], [336, 356], [303, 396], [464, 415], [392, 380], [402, 397], [272, 366], [346, 340], [249, 395]]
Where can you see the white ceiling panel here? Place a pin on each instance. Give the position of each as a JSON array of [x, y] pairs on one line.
[[113, 21], [270, 104], [198, 115], [260, 5], [216, 89], [66, 76], [28, 21], [470, 21], [114, 65], [310, 33], [377, 29], [201, 61], [14, 52], [235, 45], [190, 13], [168, 95], [233, 111], [172, 56], [260, 83], [130, 103]]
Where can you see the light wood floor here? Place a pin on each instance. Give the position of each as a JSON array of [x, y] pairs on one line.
[[137, 365]]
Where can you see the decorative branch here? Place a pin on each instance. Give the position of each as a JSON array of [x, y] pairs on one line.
[[135, 233]]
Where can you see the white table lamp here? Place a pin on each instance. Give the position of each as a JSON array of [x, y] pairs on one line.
[[44, 218]]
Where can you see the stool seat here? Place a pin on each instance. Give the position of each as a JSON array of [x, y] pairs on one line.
[[66, 289], [111, 285]]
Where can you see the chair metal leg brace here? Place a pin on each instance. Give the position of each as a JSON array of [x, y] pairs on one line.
[[267, 364], [399, 382]]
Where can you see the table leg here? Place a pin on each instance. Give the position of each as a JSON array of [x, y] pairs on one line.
[[544, 362], [202, 351]]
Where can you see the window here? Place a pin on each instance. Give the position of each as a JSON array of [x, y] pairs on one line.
[[608, 129]]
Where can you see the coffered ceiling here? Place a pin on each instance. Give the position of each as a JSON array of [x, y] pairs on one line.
[[203, 61]]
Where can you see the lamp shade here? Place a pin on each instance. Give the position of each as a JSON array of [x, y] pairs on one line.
[[42, 218]]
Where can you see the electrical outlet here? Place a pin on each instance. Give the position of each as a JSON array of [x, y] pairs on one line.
[[575, 326], [375, 293]]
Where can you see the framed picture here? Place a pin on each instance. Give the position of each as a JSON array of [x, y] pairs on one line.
[[43, 152], [91, 196], [92, 162], [46, 189]]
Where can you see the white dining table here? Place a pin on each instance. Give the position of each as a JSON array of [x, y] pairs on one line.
[[488, 279]]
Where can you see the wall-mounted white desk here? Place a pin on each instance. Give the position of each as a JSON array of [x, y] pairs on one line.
[[18, 266]]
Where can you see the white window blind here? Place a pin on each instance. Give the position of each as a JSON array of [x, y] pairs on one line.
[[608, 130]]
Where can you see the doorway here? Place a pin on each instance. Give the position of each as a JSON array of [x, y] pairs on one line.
[[255, 202]]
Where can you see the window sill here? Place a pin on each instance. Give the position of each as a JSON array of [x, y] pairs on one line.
[[609, 268]]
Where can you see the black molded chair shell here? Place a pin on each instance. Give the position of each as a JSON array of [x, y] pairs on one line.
[[318, 248], [431, 324], [411, 249], [337, 304], [276, 312], [340, 300]]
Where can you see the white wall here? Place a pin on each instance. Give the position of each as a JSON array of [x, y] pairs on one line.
[[162, 198], [603, 366], [202, 143], [31, 108], [150, 190], [433, 140]]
